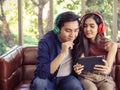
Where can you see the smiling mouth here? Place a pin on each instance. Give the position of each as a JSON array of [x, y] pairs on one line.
[[88, 33]]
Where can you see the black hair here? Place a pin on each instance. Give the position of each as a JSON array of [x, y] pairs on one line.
[[83, 44], [94, 16], [65, 17]]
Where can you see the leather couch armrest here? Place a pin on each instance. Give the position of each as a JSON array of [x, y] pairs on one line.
[[117, 69], [11, 71]]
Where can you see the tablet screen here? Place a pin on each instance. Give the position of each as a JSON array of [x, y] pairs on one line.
[[90, 62]]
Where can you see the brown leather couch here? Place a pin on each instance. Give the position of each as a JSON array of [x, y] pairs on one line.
[[17, 67]]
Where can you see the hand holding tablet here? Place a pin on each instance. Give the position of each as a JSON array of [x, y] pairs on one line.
[[90, 62]]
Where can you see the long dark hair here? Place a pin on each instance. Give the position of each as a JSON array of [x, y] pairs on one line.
[[78, 47], [83, 44]]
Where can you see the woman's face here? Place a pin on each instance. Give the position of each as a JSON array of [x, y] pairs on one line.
[[90, 29]]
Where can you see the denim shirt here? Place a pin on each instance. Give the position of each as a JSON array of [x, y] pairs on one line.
[[48, 48]]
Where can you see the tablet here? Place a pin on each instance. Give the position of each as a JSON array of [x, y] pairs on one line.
[[90, 62]]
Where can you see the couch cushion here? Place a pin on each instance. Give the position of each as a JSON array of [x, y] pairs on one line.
[[29, 62]]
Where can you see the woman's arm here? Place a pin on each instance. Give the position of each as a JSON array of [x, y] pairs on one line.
[[112, 50]]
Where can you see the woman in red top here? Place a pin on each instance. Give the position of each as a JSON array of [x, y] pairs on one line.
[[95, 44]]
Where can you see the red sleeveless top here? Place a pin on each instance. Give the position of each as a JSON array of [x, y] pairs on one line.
[[96, 50]]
